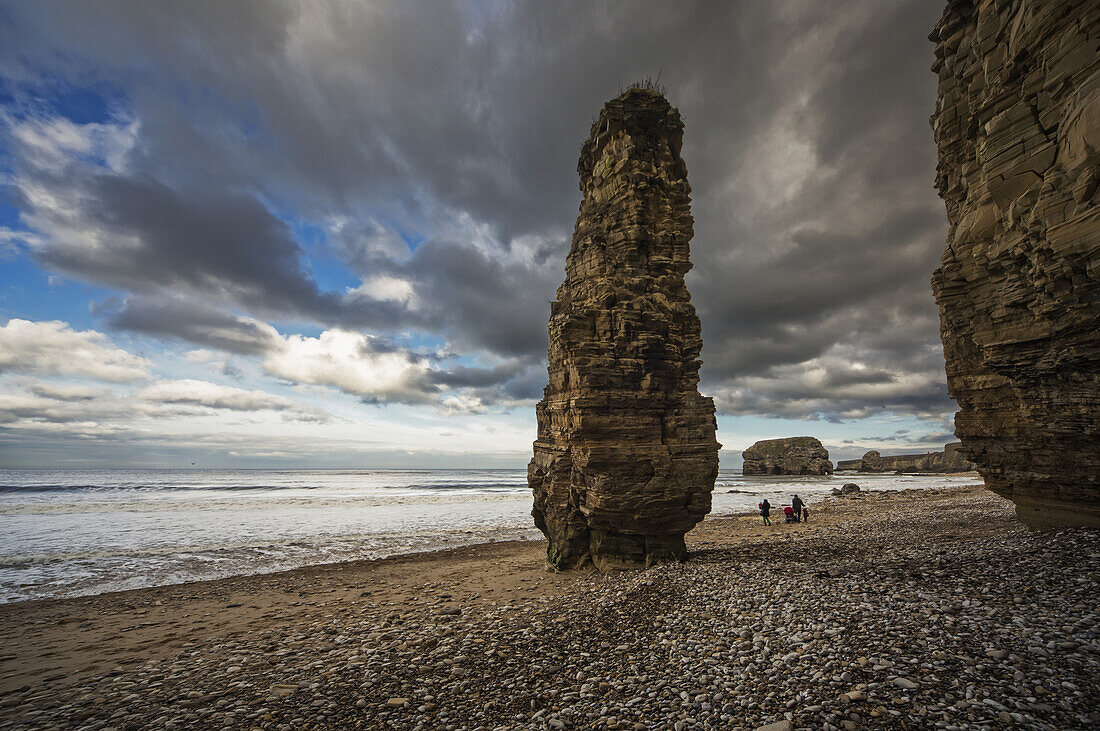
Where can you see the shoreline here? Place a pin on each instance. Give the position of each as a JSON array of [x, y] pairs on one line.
[[272, 642], [761, 488]]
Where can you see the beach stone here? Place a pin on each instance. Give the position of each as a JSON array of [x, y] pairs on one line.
[[1017, 124], [626, 454], [783, 725], [849, 488]]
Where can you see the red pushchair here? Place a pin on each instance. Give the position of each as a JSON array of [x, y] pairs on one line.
[[788, 512]]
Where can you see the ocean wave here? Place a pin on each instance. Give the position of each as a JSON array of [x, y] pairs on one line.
[[53, 489], [235, 550], [460, 487], [271, 503], [58, 488]]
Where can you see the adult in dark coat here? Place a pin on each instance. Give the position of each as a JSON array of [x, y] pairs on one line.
[[796, 503], [765, 511]]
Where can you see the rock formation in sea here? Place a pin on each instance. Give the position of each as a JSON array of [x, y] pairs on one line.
[[787, 456], [949, 460], [626, 455], [1017, 123]]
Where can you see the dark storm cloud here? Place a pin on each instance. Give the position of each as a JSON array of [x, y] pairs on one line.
[[456, 126], [509, 382], [465, 376], [194, 322], [489, 303], [203, 241]]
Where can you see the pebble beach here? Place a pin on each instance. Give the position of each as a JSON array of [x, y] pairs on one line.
[[929, 609]]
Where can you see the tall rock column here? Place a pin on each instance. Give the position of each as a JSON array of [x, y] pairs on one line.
[[1017, 123], [626, 454]]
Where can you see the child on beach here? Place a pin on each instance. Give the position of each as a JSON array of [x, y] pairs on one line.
[[805, 514], [765, 510]]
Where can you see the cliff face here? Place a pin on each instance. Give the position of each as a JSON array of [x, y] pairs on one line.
[[626, 454], [788, 456], [1017, 123], [949, 460]]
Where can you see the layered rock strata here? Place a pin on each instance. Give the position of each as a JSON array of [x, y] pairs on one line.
[[1017, 123], [949, 460], [787, 456], [626, 455]]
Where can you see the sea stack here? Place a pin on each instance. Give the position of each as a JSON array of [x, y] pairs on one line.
[[787, 456], [1017, 123], [626, 454]]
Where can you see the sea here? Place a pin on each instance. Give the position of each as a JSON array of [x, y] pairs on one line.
[[66, 533]]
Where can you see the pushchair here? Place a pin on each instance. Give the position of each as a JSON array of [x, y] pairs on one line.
[[788, 513]]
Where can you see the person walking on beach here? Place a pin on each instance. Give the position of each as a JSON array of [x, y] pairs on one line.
[[796, 504], [765, 511]]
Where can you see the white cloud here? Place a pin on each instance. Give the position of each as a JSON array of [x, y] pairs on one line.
[[52, 143], [201, 355], [461, 404], [393, 289], [164, 405], [354, 364], [10, 239], [215, 396], [65, 392], [53, 348], [366, 236]]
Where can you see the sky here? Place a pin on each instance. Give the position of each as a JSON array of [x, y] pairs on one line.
[[326, 234]]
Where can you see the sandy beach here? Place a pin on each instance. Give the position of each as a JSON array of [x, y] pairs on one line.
[[891, 610]]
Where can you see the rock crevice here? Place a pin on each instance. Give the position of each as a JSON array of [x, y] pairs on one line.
[[626, 454]]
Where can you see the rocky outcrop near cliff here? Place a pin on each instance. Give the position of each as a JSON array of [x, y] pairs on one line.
[[626, 455], [949, 460], [1017, 123], [788, 456]]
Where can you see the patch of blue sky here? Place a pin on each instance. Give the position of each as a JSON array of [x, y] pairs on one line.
[[324, 265], [327, 267], [29, 292], [420, 341], [9, 214], [304, 329], [91, 103], [413, 239], [87, 104]]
